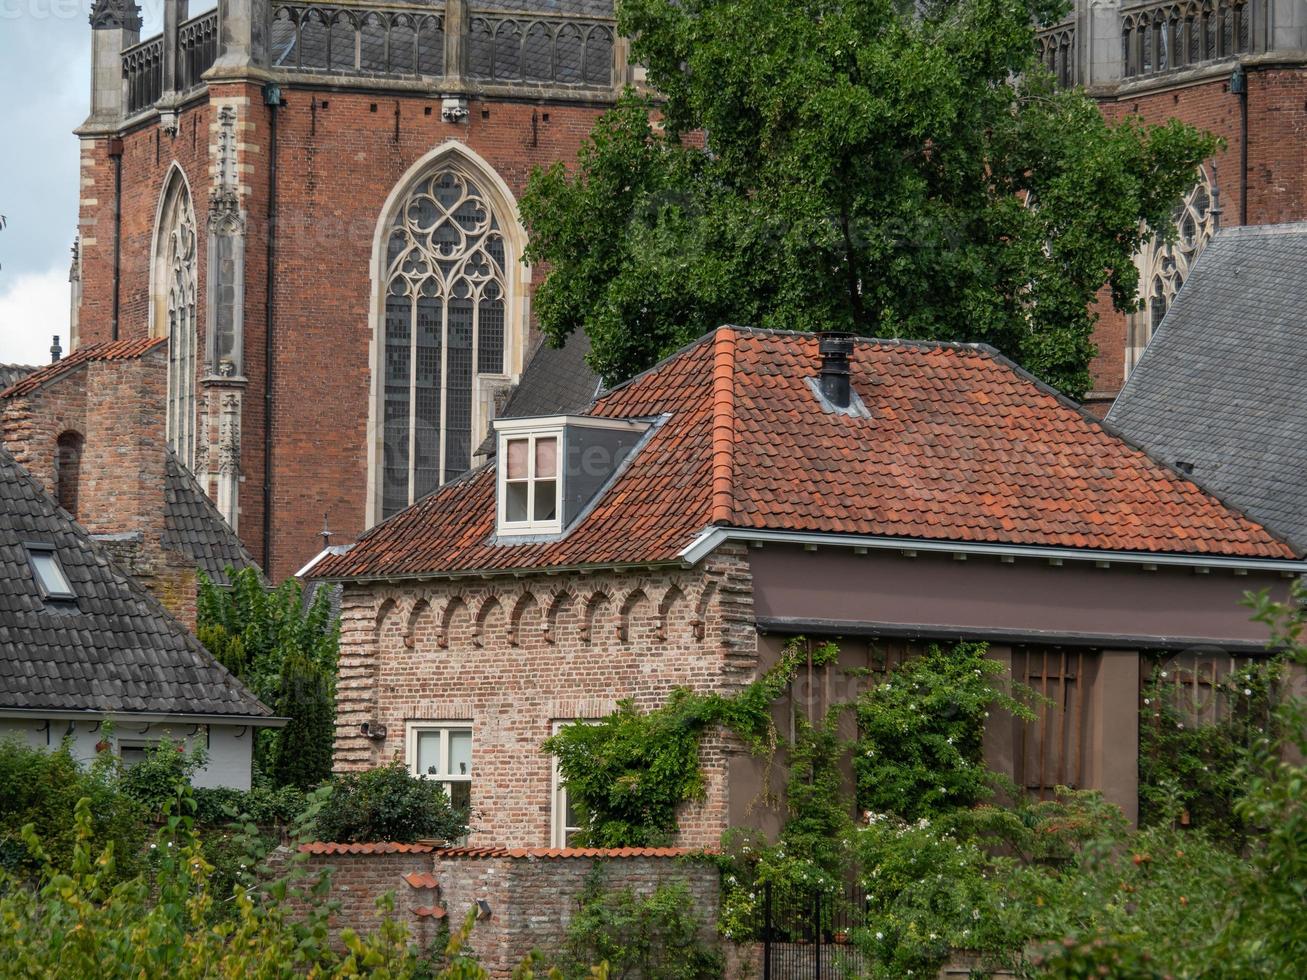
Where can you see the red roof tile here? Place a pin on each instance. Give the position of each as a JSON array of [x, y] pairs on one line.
[[422, 880], [961, 445], [113, 350], [429, 912], [566, 852], [385, 847]]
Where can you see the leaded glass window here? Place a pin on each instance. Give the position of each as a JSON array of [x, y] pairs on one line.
[[1164, 268], [444, 328], [175, 316]]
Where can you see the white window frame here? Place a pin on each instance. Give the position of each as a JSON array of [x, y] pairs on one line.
[[551, 525], [416, 728], [559, 829]]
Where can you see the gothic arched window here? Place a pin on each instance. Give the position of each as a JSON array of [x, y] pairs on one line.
[[1164, 268], [448, 280], [175, 289]]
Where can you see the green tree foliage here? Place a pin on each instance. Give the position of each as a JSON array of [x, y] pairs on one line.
[[388, 804], [1201, 771], [286, 655], [920, 739], [661, 936], [81, 921], [628, 773], [303, 754], [868, 168], [38, 788]]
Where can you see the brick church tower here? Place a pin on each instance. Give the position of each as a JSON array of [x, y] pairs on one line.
[[1237, 68], [317, 204]]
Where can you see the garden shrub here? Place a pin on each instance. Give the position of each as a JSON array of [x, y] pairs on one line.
[[628, 773], [40, 787], [161, 776], [388, 804], [1202, 771], [656, 937], [265, 807], [919, 749]]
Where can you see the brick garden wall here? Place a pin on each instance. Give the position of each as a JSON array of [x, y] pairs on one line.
[[513, 656], [531, 894]]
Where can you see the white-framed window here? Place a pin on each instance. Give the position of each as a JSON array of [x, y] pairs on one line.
[[132, 752], [564, 823], [531, 486], [442, 750]]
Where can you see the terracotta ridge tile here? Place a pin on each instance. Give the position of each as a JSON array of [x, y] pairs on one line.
[[723, 426]]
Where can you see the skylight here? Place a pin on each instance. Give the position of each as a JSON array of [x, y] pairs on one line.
[[552, 468], [49, 574]]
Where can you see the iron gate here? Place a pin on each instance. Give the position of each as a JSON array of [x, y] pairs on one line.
[[806, 935]]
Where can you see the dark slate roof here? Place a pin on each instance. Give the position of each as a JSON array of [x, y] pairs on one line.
[[113, 649], [557, 381], [1221, 385], [196, 528], [11, 374]]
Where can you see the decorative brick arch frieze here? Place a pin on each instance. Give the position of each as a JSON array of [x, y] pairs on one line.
[[421, 609], [559, 602], [452, 608], [519, 608], [592, 612], [628, 611], [487, 608], [673, 596]]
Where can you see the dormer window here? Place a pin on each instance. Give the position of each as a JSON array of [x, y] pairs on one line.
[[49, 574], [552, 469]]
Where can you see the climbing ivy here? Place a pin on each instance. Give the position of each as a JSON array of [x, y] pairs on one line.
[[628, 774]]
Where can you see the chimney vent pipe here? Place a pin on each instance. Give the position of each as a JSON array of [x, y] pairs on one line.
[[836, 349]]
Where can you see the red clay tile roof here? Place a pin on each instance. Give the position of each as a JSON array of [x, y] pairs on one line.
[[567, 852], [429, 912], [384, 847], [961, 445], [423, 879], [113, 350]]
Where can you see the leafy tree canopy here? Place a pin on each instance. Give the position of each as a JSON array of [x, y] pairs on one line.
[[864, 168]]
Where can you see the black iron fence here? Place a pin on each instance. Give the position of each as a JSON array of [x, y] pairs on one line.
[[808, 934]]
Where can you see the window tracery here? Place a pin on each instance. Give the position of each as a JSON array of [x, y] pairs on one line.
[[444, 330], [176, 283]]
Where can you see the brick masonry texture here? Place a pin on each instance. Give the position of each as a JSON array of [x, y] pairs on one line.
[[531, 899], [1277, 164], [116, 402], [340, 154], [514, 656]]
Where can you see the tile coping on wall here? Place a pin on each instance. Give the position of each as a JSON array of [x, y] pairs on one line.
[[323, 847]]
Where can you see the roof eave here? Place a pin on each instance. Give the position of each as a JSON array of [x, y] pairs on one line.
[[533, 571], [153, 717], [710, 538]]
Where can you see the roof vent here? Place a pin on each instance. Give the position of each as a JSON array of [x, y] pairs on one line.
[[836, 349]]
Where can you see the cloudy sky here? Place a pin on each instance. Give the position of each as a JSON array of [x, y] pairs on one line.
[[45, 73]]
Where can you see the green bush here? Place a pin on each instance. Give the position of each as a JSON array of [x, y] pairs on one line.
[[388, 804], [1203, 770], [302, 757], [40, 786], [628, 774], [919, 750], [656, 937], [261, 806], [161, 777]]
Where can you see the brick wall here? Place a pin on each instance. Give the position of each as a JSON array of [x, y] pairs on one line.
[[513, 656], [1277, 162], [118, 408], [530, 896], [340, 154]]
